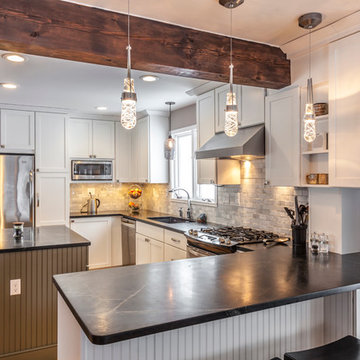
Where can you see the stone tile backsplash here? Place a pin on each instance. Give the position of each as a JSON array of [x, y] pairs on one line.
[[249, 204]]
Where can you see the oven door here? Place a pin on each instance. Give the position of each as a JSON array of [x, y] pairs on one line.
[[193, 252], [91, 170]]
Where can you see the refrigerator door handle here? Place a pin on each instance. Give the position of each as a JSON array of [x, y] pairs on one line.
[[37, 199], [31, 202]]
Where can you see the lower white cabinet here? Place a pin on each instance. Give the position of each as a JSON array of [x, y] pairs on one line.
[[148, 250], [172, 253], [98, 232], [52, 199]]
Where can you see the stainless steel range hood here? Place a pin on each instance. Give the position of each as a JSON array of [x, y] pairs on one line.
[[248, 143]]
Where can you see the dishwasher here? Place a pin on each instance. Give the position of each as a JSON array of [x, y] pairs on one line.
[[128, 239]]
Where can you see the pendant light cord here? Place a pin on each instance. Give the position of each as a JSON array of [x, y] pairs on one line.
[[231, 56], [129, 48], [310, 53]]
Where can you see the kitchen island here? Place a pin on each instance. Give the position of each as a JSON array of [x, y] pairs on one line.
[[253, 305], [28, 318]]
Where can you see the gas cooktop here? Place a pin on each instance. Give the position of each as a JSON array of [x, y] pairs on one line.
[[226, 239]]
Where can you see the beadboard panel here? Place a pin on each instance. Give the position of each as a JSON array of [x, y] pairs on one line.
[[255, 336], [29, 321]]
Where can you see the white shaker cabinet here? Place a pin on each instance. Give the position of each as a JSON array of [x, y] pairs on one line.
[[52, 199], [344, 110], [252, 106], [91, 139], [140, 151], [282, 138], [205, 118], [103, 139], [17, 131], [98, 232], [148, 250], [51, 142], [172, 253], [80, 138]]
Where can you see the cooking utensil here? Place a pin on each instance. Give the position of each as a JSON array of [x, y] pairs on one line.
[[290, 213], [276, 241], [297, 215]]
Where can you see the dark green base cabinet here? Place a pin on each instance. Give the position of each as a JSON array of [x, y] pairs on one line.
[[28, 322]]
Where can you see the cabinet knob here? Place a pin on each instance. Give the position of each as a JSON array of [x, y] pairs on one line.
[[212, 182], [94, 156], [37, 170], [267, 182], [2, 146], [72, 221], [147, 240]]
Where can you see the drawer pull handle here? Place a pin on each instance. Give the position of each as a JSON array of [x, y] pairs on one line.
[[175, 240]]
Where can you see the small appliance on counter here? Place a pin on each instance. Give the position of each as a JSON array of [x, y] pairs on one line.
[[91, 205]]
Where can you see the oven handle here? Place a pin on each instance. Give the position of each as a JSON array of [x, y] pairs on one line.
[[197, 252]]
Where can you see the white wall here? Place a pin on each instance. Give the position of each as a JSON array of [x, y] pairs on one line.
[[183, 117]]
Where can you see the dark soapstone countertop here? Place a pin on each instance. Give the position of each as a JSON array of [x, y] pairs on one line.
[[45, 237], [127, 302], [143, 216]]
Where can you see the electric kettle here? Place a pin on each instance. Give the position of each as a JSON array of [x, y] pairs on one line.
[[91, 205]]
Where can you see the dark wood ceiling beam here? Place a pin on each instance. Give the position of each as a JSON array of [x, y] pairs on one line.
[[69, 31]]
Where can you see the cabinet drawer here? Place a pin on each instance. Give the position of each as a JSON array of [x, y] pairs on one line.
[[173, 253], [175, 239], [154, 232]]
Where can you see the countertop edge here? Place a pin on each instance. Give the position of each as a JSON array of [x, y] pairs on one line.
[[45, 247], [150, 330]]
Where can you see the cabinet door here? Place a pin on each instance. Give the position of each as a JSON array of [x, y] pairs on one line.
[[205, 118], [156, 251], [52, 199], [80, 138], [220, 105], [103, 139], [123, 153], [142, 250], [253, 105], [173, 253], [51, 142], [282, 124], [141, 150], [98, 232], [17, 131], [344, 121]]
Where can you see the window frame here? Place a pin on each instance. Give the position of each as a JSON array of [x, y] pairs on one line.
[[173, 173]]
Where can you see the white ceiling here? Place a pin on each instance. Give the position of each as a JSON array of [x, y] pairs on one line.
[[273, 22], [80, 87]]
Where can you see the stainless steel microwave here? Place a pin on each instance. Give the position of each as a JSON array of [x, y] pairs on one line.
[[91, 170]]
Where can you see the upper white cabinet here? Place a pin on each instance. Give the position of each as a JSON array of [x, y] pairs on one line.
[[282, 138], [344, 121], [104, 139], [51, 142], [17, 131], [205, 118], [91, 139], [139, 152], [250, 101], [252, 105]]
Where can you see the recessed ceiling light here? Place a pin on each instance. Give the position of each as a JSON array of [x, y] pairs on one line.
[[149, 78], [15, 58], [101, 108], [9, 86]]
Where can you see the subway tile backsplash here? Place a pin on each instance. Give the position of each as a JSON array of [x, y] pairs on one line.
[[249, 204]]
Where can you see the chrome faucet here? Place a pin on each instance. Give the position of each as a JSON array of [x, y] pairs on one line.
[[188, 211]]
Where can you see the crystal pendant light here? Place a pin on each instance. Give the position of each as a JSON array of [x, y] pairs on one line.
[[128, 97], [169, 146], [309, 22], [231, 110]]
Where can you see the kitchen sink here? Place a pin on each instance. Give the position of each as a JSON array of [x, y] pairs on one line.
[[169, 219]]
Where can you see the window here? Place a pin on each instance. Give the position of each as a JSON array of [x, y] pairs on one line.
[[183, 168]]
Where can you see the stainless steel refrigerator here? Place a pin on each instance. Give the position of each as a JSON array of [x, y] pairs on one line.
[[16, 189]]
